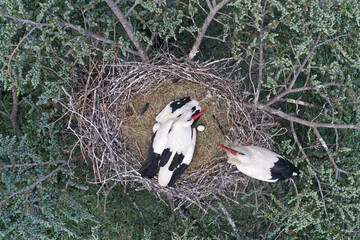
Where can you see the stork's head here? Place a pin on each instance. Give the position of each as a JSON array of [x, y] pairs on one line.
[[191, 115], [181, 109], [233, 152]]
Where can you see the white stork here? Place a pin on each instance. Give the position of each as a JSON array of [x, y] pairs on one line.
[[173, 142], [260, 163]]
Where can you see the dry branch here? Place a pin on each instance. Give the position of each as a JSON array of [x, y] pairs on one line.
[[261, 54], [301, 67], [71, 26], [228, 217], [14, 90], [328, 152], [213, 10], [32, 185], [129, 29], [31, 164], [306, 122]]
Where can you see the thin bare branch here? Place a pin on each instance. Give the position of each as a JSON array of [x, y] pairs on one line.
[[209, 4], [204, 27], [261, 55], [306, 122], [32, 164], [32, 185], [130, 10], [228, 217], [317, 87], [328, 152], [15, 99], [301, 67], [323, 199], [5, 114], [299, 102], [308, 161], [72, 26], [128, 28], [14, 112]]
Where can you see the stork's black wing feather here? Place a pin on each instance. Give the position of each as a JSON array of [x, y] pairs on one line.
[[151, 165], [165, 156], [177, 160], [283, 169], [177, 173]]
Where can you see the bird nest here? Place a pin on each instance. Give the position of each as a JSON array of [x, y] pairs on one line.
[[114, 133]]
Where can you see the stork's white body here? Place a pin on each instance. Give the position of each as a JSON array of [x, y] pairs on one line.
[[173, 143], [181, 143], [260, 163]]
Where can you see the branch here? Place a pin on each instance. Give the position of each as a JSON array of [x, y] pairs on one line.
[[130, 10], [69, 25], [15, 107], [308, 161], [6, 113], [261, 56], [301, 67], [32, 185], [306, 122], [31, 164], [314, 87], [128, 28], [14, 112], [228, 217], [328, 152], [299, 102], [205, 26]]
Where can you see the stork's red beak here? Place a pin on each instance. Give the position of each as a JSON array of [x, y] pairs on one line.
[[198, 115], [232, 151]]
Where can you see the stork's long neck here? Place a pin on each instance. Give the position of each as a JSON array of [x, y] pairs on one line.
[[243, 156]]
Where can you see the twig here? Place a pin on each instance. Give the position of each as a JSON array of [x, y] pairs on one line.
[[15, 102], [301, 67], [219, 125], [129, 29], [205, 26], [299, 102], [324, 145], [32, 185], [306, 122], [69, 25], [130, 10], [323, 199], [297, 193], [308, 161], [137, 208], [31, 164], [261, 55], [228, 217]]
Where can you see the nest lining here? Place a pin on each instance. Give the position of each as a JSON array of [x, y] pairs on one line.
[[115, 138]]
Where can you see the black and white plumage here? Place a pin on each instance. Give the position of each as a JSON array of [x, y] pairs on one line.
[[173, 143], [260, 163]]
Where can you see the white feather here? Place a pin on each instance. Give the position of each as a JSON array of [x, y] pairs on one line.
[[256, 161], [181, 140]]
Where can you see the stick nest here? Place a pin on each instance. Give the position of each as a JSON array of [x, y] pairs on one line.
[[104, 115]]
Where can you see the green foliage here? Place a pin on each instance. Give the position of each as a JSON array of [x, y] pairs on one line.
[[290, 31], [47, 210]]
